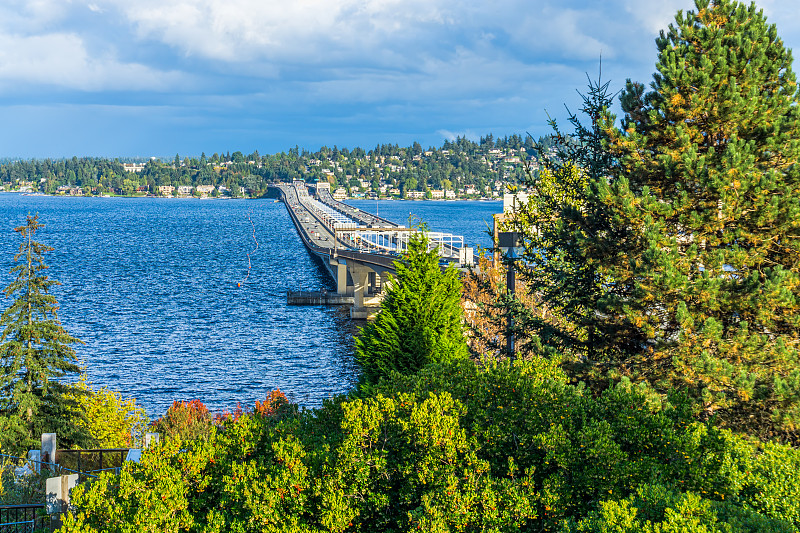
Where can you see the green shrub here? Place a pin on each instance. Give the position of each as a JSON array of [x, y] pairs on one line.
[[185, 421], [657, 509], [581, 451], [458, 447], [154, 495]]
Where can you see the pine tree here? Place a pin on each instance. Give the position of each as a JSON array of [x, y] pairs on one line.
[[563, 224], [709, 185], [35, 354], [420, 319]]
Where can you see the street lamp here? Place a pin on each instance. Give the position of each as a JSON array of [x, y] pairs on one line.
[[510, 244]]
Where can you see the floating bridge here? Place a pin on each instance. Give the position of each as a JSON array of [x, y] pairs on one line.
[[358, 249]]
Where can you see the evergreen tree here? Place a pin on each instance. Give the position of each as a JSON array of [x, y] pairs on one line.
[[420, 319], [35, 355], [563, 223], [710, 188]]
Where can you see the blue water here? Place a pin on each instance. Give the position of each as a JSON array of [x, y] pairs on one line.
[[150, 285]]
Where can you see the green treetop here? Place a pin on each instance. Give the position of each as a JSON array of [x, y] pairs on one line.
[[420, 318], [35, 354], [710, 186], [563, 225]]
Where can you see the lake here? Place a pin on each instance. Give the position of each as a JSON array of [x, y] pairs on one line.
[[150, 285]]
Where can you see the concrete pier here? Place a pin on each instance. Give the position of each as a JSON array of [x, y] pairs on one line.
[[318, 298]]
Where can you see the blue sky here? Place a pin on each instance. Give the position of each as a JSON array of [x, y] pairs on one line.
[[160, 77]]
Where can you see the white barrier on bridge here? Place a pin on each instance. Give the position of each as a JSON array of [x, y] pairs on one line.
[[395, 240], [328, 212], [389, 240]]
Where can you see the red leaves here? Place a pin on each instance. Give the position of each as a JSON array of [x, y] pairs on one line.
[[275, 399], [194, 409], [227, 415], [269, 407]]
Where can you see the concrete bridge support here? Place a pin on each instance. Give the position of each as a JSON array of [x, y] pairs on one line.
[[358, 280], [339, 266], [360, 275]]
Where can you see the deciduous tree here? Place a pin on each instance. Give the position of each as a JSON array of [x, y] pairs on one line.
[[110, 420]]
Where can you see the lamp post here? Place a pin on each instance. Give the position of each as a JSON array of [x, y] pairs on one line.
[[510, 244]]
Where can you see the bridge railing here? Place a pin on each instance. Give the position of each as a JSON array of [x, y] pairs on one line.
[[349, 232], [395, 240]]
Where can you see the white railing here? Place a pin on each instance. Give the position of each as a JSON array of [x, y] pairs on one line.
[[395, 240]]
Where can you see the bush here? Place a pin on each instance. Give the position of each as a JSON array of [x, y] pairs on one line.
[[581, 451], [458, 447], [108, 419], [657, 509], [274, 405], [376, 464], [186, 421], [154, 495]]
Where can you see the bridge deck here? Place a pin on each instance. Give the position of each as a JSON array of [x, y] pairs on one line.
[[355, 247], [318, 234]]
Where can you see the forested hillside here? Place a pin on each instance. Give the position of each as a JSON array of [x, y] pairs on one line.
[[464, 166]]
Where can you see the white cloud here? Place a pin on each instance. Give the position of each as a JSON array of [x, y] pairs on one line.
[[656, 15], [26, 17], [550, 31], [382, 31], [339, 40], [61, 59], [783, 14], [453, 135], [462, 65], [244, 30], [394, 34]]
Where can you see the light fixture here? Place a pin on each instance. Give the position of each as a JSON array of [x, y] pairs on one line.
[[510, 244]]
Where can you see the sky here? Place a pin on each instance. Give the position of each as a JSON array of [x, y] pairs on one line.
[[142, 78]]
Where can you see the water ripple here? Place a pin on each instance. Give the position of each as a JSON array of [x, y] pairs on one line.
[[150, 286]]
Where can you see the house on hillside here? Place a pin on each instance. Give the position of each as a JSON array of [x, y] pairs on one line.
[[133, 167]]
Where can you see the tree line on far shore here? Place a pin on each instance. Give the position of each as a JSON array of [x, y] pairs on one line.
[[460, 164]]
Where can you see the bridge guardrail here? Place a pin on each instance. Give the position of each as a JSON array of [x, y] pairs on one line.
[[382, 260]]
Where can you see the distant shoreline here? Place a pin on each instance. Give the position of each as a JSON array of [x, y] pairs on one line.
[[25, 193]]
